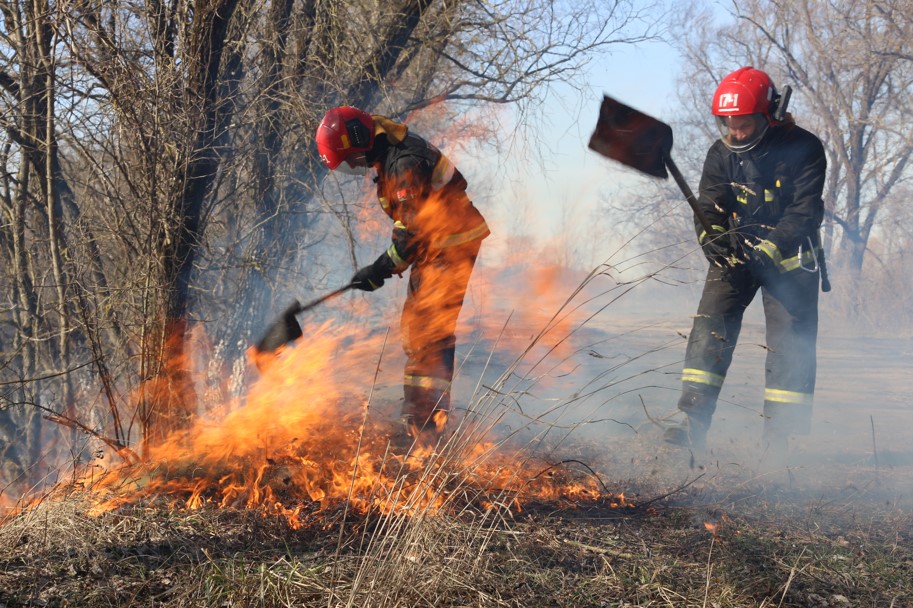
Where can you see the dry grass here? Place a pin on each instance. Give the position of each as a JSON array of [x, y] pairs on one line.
[[715, 540], [705, 532]]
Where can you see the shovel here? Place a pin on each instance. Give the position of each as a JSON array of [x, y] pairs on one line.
[[640, 142], [286, 328]]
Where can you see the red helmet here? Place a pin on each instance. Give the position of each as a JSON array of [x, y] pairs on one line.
[[746, 92], [345, 133]]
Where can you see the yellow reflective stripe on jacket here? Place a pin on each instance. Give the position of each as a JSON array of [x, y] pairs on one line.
[[442, 174], [398, 262], [699, 376], [703, 235], [743, 196], [772, 251], [426, 382], [781, 396], [479, 232], [785, 265], [806, 260]]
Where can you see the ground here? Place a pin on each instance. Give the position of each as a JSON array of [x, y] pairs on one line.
[[831, 526]]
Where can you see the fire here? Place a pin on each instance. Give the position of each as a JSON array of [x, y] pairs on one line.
[[714, 524], [307, 439]]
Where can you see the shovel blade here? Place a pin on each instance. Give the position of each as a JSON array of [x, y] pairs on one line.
[[632, 138], [283, 331]]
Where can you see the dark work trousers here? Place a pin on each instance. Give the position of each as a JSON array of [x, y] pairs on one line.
[[791, 312], [437, 286]]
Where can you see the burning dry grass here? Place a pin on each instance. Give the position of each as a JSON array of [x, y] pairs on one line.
[[709, 542], [234, 514]]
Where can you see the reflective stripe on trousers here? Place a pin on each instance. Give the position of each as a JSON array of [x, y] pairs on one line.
[[437, 287], [791, 317]]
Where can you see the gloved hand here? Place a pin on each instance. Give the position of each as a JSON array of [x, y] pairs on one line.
[[367, 279], [764, 257], [372, 277], [718, 249]]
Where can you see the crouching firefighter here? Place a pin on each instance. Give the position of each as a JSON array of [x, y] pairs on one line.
[[761, 188], [437, 231]]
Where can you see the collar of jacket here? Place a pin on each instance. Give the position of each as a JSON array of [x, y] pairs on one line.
[[395, 131]]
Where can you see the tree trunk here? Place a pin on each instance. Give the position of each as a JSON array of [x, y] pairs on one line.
[[174, 400]]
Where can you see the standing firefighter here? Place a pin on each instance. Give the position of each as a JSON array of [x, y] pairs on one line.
[[436, 230], [761, 190]]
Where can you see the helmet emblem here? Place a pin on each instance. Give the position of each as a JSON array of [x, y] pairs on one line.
[[729, 102]]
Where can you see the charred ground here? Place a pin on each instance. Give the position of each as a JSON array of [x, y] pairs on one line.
[[830, 526], [716, 536]]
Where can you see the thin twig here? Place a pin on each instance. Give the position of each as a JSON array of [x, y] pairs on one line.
[[647, 414], [563, 462], [709, 571], [667, 494], [123, 451], [47, 376], [874, 447], [792, 575]]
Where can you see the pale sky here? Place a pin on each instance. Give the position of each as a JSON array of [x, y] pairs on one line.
[[574, 179]]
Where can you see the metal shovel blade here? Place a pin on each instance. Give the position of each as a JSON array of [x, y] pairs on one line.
[[632, 138], [643, 143], [284, 330]]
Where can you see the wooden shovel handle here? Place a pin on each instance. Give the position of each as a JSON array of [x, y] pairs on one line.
[[689, 195], [328, 296]]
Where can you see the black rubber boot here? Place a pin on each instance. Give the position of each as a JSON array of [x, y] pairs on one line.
[[698, 404], [424, 412], [692, 433]]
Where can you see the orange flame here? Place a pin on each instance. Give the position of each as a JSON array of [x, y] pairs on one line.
[[307, 439]]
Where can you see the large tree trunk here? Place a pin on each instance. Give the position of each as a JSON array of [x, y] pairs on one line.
[[175, 402]]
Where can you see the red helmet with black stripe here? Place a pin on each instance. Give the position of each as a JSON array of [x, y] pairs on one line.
[[345, 134], [743, 104]]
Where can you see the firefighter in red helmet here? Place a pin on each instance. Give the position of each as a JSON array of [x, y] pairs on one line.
[[761, 188], [437, 232]]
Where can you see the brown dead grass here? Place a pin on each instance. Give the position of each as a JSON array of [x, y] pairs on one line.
[[710, 538]]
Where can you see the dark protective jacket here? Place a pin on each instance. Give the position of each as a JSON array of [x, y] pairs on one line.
[[772, 192], [438, 232], [769, 199], [425, 195]]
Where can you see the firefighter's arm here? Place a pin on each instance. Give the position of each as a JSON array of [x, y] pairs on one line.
[[714, 191], [410, 184], [372, 276], [410, 181], [394, 260], [403, 247], [804, 206]]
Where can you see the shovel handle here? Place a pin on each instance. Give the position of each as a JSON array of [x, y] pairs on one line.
[[328, 296], [689, 195]]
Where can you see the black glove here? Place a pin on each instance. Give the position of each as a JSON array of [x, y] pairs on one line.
[[763, 258], [372, 277], [718, 248]]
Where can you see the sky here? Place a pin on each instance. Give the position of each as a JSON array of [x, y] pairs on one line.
[[570, 180]]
